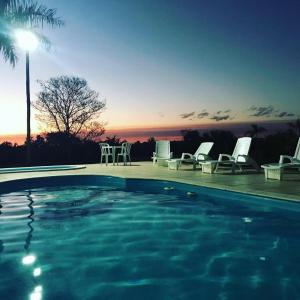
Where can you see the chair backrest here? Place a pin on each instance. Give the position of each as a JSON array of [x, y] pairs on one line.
[[204, 148], [105, 149], [297, 151], [242, 146], [162, 149], [126, 147]]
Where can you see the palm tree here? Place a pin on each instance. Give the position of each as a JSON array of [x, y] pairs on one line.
[[22, 14], [28, 15], [255, 130], [295, 126]]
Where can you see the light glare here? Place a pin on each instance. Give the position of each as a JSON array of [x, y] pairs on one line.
[[26, 40], [28, 259], [37, 293], [35, 296], [37, 272], [38, 289]]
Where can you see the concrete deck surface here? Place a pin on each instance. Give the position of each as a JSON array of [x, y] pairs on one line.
[[248, 182]]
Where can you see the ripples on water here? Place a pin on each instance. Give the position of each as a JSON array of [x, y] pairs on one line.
[[87, 242]]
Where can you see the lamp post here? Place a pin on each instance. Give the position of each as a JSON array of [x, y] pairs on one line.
[[29, 42]]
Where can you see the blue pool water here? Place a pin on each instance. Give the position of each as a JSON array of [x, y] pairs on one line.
[[93, 237]]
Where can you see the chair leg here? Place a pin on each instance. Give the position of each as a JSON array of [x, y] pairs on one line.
[[233, 168], [194, 165], [216, 167], [106, 159]]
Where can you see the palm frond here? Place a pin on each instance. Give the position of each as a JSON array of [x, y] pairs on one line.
[[25, 14], [3, 6], [30, 13], [7, 48]]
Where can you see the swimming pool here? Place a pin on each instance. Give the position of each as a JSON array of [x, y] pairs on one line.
[[98, 237]]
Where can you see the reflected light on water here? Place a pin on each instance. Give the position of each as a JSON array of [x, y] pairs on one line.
[[37, 272], [38, 289], [28, 259], [37, 293]]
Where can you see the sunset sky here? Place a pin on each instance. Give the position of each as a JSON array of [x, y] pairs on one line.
[[169, 63]]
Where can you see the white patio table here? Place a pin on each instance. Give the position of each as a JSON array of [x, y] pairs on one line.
[[114, 150]]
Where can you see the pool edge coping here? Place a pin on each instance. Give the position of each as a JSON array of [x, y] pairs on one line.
[[272, 196]]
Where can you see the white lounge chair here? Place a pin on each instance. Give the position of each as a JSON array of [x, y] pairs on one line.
[[239, 156], [275, 171], [200, 155], [162, 152], [291, 159]]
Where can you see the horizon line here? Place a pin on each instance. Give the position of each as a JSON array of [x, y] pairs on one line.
[[163, 132]]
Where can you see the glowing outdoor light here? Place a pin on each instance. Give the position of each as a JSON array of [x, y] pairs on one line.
[[26, 40]]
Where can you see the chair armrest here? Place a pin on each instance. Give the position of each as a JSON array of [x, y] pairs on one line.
[[186, 155], [225, 157], [242, 156], [202, 157], [285, 157]]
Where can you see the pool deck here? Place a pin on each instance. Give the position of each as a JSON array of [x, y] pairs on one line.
[[250, 183]]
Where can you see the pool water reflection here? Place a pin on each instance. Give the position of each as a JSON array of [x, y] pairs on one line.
[[109, 238]]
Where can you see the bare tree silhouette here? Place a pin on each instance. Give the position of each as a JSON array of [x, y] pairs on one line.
[[67, 104]]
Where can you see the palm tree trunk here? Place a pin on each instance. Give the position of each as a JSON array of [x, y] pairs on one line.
[[28, 136]]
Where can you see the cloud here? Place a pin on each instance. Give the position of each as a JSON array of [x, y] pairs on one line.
[[261, 111], [268, 111], [222, 115], [223, 111], [187, 115], [202, 114], [219, 118], [285, 114]]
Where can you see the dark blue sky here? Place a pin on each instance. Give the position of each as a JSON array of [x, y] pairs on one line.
[[162, 63]]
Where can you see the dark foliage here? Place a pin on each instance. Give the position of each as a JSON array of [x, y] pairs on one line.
[[61, 148]]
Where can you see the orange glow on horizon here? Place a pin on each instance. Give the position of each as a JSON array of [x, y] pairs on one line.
[[133, 134]]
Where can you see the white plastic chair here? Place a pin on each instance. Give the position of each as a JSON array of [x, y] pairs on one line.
[[276, 170], [292, 160], [239, 156], [106, 151], [162, 151], [125, 153], [201, 154]]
